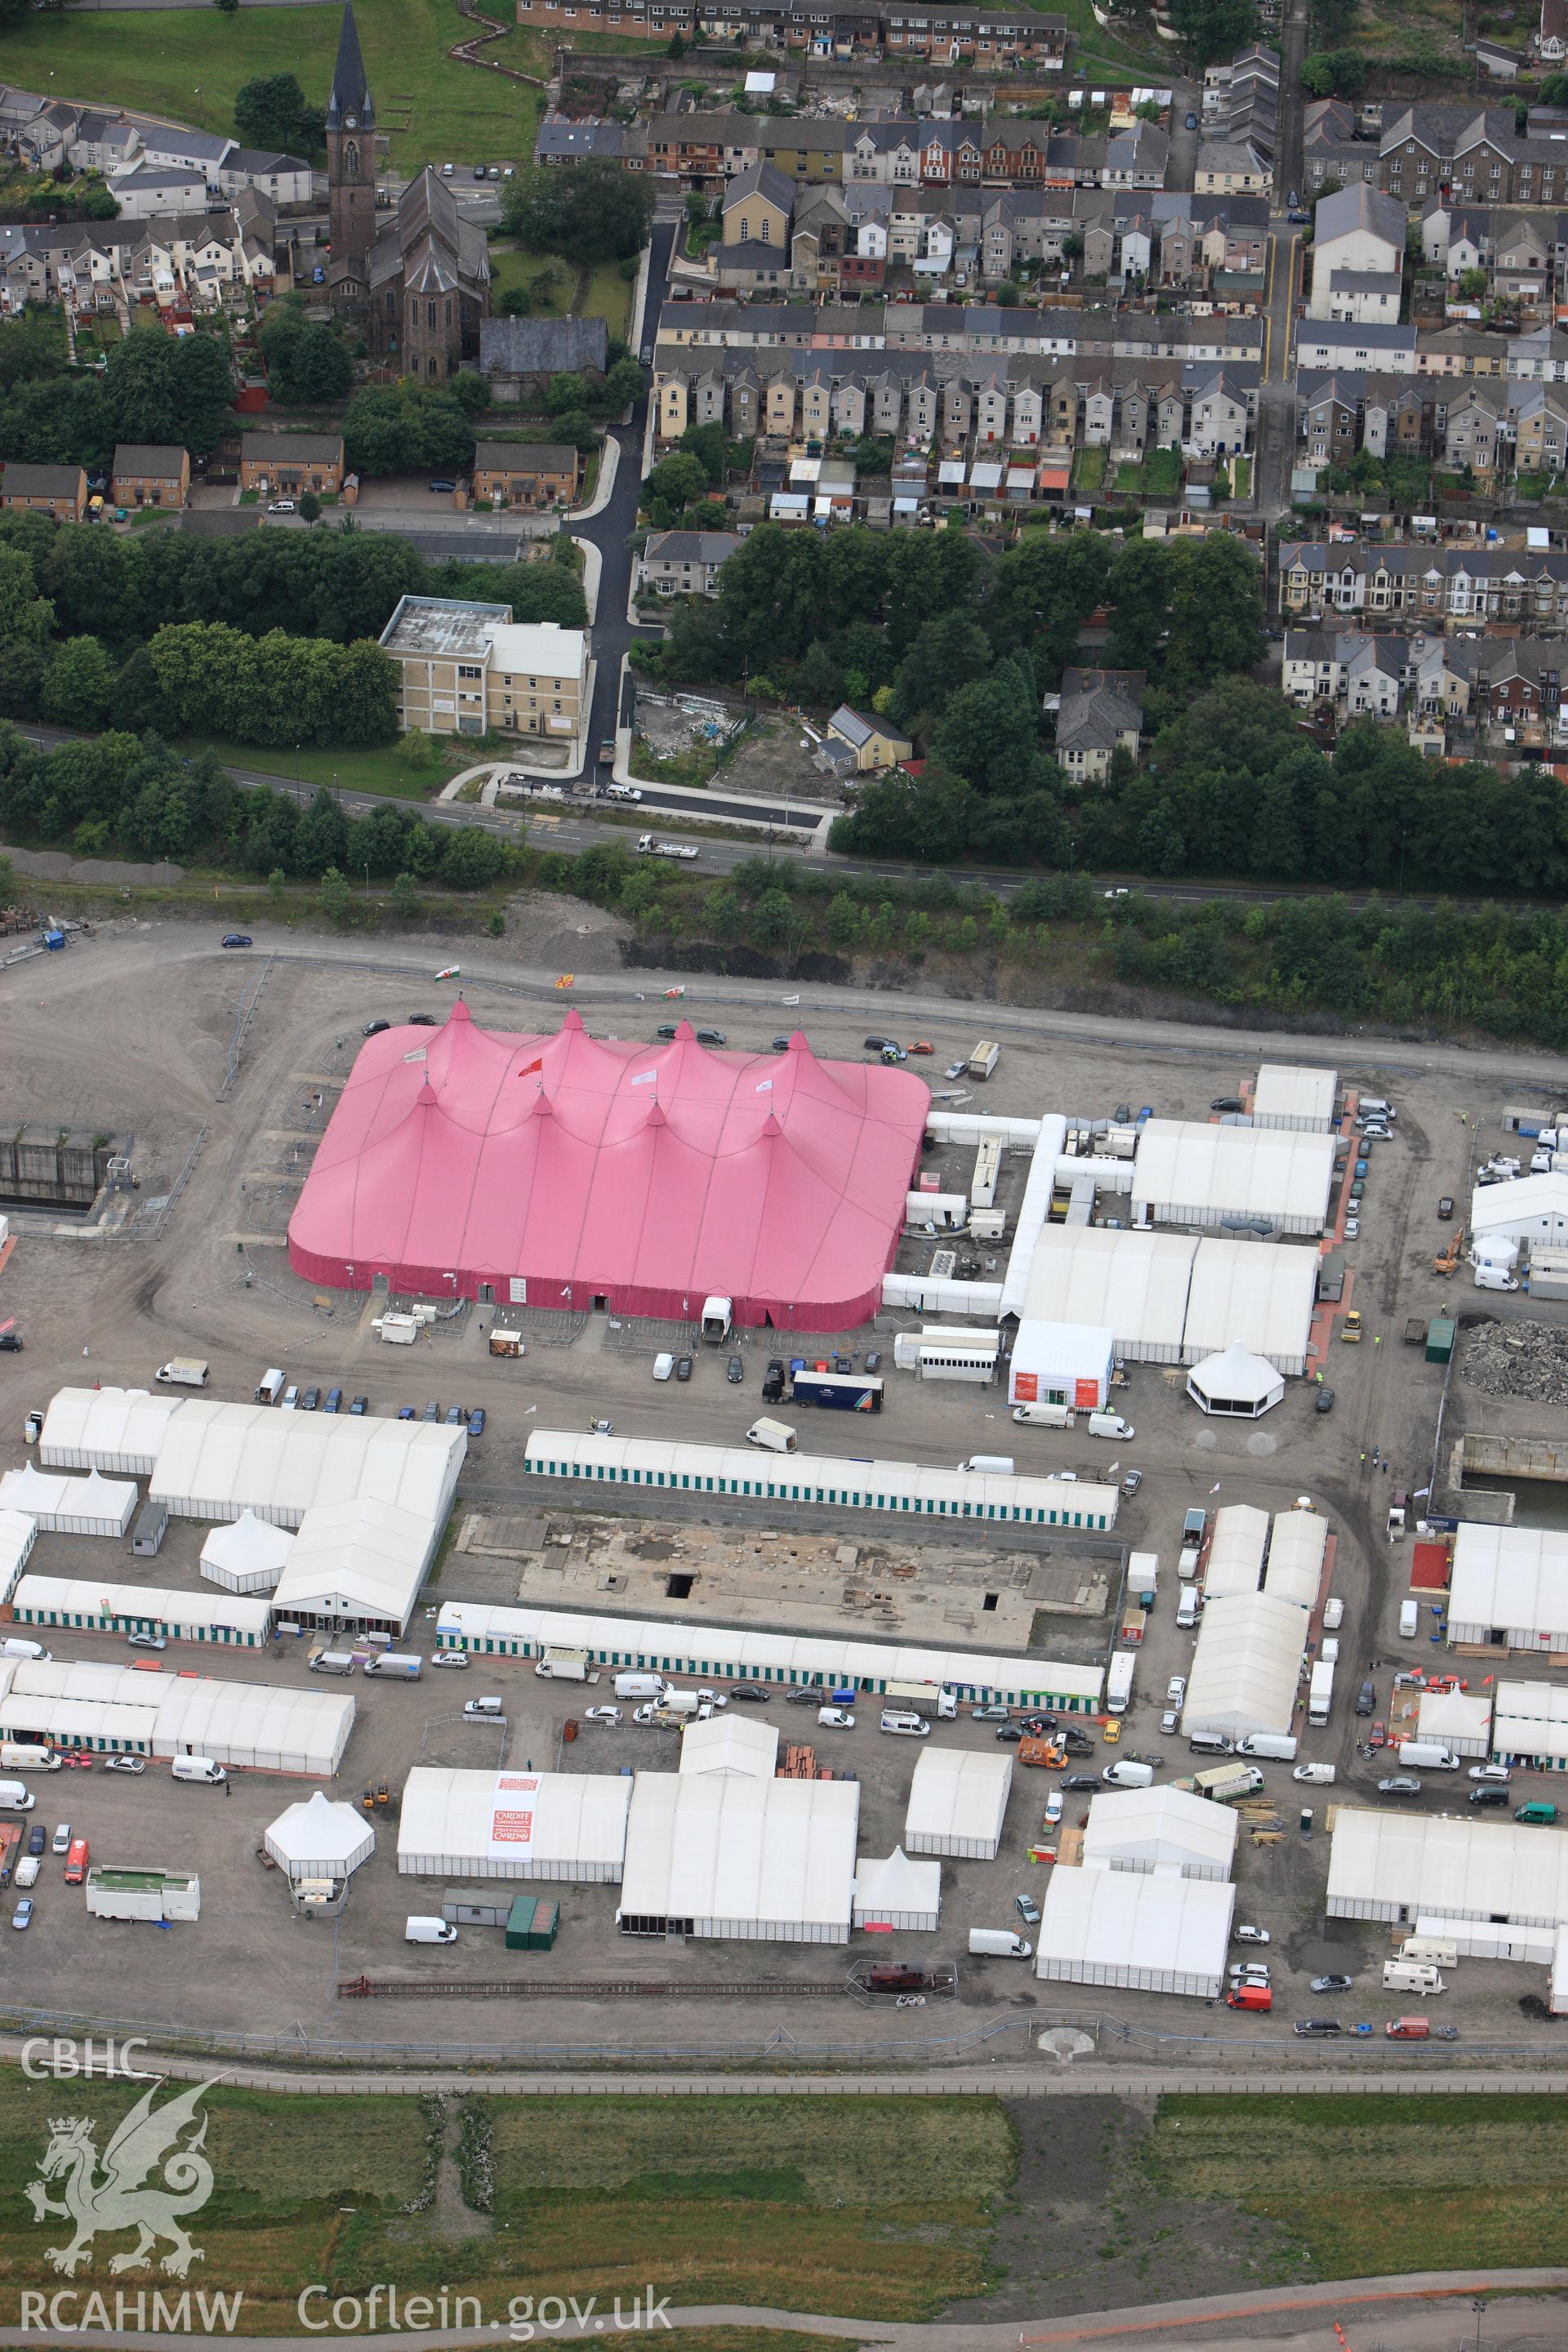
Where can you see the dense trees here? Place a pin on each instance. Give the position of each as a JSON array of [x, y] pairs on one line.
[[1212, 29], [339, 584], [272, 112], [403, 429], [595, 212], [132, 795], [306, 361], [156, 387], [215, 680]]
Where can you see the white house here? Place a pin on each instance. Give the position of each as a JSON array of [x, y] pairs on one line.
[[1358, 256]]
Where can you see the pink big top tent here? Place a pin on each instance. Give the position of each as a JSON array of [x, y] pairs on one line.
[[645, 1176]]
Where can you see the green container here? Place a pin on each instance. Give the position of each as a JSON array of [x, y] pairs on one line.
[[531, 1924], [1440, 1334]]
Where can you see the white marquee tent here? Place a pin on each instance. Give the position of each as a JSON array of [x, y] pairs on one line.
[[1289, 1095], [102, 1607], [320, 1839], [1133, 1285], [1150, 1829], [1529, 1209], [958, 1801], [1462, 1720], [1530, 1725], [252, 1726], [1251, 1294], [730, 1743], [1391, 1865], [1297, 1550], [1236, 1551], [1509, 1586], [106, 1429], [1235, 1386], [1150, 1931], [218, 1460], [247, 1554], [898, 1892], [1188, 1172], [723, 1855], [516, 1824], [93, 1506], [19, 1534], [1247, 1665], [359, 1563]]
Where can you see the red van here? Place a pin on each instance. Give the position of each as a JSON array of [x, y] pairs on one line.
[[75, 1861], [1407, 2028], [1250, 1996]]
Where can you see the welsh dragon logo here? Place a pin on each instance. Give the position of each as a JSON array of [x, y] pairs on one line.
[[146, 2143]]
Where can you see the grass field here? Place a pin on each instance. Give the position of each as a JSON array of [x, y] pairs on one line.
[[871, 2208], [385, 770], [1372, 2186], [188, 64], [1099, 53], [831, 2205]]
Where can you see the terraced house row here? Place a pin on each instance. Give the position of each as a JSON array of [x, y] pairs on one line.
[[704, 150], [1097, 333], [1425, 587], [1030, 402], [995, 38]]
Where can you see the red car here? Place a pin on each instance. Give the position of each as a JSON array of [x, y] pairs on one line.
[[1378, 1736]]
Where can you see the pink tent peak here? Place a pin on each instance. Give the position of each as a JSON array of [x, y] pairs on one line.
[[629, 1172]]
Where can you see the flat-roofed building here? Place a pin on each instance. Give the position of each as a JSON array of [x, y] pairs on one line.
[[468, 667]]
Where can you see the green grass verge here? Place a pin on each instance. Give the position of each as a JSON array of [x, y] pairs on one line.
[[873, 2208], [1241, 478], [387, 770], [1088, 470], [1162, 473], [188, 64], [1372, 2186], [1099, 53], [609, 298], [868, 2207], [509, 268]]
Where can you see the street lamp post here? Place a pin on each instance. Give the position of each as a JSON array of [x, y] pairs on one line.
[[367, 882], [1478, 2306]]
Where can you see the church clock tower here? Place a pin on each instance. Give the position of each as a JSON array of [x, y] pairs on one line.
[[350, 171]]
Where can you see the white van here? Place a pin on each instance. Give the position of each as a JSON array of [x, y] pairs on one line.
[[1412, 1975], [15, 1798], [1210, 1743], [989, 1465], [271, 1387], [774, 1436], [999, 1944], [1333, 1614], [904, 1724], [1320, 1776], [641, 1685], [1187, 1607], [1428, 1756], [1125, 1774], [664, 1365], [199, 1768], [32, 1654], [1110, 1424], [1280, 1746], [1409, 1620], [23, 1757], [417, 1929], [1043, 1416]]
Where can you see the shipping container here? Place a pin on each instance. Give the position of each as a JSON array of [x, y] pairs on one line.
[[506, 1343], [531, 1923], [838, 1391]]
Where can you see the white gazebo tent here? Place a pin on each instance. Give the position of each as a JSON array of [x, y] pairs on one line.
[[898, 1892], [320, 1838], [1236, 1386], [93, 1506], [1460, 1719], [247, 1554]]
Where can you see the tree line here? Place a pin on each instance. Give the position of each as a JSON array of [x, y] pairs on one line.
[[132, 797], [156, 387], [268, 638]]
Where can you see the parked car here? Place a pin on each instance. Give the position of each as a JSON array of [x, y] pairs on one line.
[[750, 1693], [1192, 121], [1330, 1984], [333, 1401], [454, 1416], [1378, 1736], [602, 1715], [1366, 1701], [735, 1371], [683, 1368], [875, 1045], [1077, 1781], [458, 1658], [238, 940], [311, 1399], [281, 506], [23, 1914], [1499, 1772], [406, 1413], [1028, 1909], [62, 1839], [1175, 1690], [442, 488], [1399, 1784], [1445, 1207], [421, 1020], [1228, 1102], [995, 1713], [1245, 1935], [1008, 1732], [476, 1421], [1352, 1229], [1324, 1400], [375, 1028], [1170, 1723], [1319, 2026], [432, 1410], [1035, 1726], [145, 1642], [956, 1069], [1053, 1809], [1134, 1480], [37, 1838], [125, 1764], [11, 1345], [358, 1406]]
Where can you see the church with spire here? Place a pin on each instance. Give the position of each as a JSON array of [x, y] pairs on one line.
[[418, 276]]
